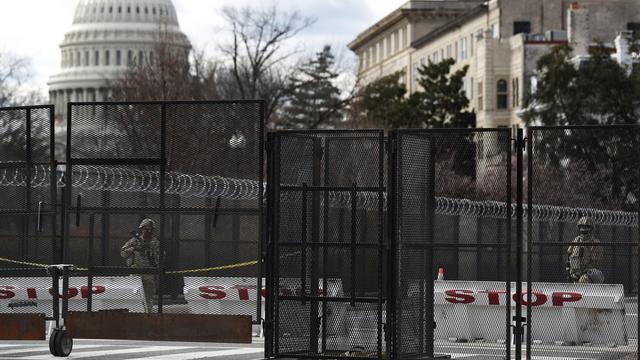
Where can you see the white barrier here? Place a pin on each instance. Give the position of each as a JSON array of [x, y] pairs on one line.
[[568, 313], [466, 310], [34, 294]]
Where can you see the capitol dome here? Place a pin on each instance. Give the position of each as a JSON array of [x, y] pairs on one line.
[[106, 37]]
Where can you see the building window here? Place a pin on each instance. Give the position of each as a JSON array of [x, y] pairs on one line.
[[137, 10], [463, 48], [146, 10], [471, 45], [480, 96], [396, 41], [151, 58], [502, 94], [414, 73], [633, 26], [96, 58], [129, 58], [154, 11], [128, 9], [401, 36], [376, 53], [118, 57], [140, 57], [405, 37], [448, 51], [442, 54], [110, 9], [455, 50], [388, 41], [434, 57], [521, 27], [515, 97], [471, 85], [78, 63], [107, 57], [464, 87], [119, 9], [494, 31]]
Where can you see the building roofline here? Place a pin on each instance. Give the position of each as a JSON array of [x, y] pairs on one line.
[[411, 7], [471, 14]]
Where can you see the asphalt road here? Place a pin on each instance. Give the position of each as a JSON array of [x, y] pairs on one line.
[[134, 350], [150, 350]]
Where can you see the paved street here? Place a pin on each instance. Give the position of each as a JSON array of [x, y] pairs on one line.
[[134, 350], [149, 350]]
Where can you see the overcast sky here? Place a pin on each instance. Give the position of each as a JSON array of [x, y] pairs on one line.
[[35, 28]]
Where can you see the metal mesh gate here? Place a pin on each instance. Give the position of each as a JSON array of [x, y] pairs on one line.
[[585, 284], [27, 205], [195, 169], [430, 168], [328, 255]]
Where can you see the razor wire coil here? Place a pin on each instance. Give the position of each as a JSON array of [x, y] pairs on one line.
[[117, 179]]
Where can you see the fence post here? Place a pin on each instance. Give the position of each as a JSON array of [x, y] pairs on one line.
[[517, 330]]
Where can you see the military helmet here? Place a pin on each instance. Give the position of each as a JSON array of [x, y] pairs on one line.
[[585, 221], [146, 222]]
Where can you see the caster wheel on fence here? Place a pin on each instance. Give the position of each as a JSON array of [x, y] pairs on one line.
[[60, 343], [52, 342]]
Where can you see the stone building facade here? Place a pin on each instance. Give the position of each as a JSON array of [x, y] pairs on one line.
[[500, 41], [108, 36]]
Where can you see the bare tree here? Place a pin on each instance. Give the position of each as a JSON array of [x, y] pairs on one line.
[[170, 72], [257, 54], [15, 71]]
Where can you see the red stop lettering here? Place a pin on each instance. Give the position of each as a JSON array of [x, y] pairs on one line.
[[243, 293], [70, 294], [6, 294], [539, 298], [459, 296], [95, 289], [494, 296], [213, 292], [31, 293], [560, 297]]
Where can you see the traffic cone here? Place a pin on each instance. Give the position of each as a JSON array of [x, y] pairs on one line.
[[440, 274]]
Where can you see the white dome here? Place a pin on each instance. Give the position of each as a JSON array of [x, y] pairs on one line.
[[105, 38], [149, 11]]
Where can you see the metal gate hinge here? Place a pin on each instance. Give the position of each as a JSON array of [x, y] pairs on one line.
[[517, 145]]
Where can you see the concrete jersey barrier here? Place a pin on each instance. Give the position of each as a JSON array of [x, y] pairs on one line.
[[568, 313]]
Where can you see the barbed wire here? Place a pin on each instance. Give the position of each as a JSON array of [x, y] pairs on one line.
[[104, 178]]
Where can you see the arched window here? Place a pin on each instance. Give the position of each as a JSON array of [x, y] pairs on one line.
[[118, 57], [502, 94], [107, 57], [129, 58], [140, 57]]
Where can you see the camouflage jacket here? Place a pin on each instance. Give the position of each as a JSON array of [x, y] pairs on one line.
[[583, 257], [140, 253]]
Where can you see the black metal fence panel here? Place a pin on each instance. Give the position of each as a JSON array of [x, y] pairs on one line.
[[582, 254], [469, 256], [196, 170], [27, 209], [329, 252]]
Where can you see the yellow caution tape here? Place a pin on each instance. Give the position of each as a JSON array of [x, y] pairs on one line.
[[23, 262], [223, 267], [214, 268]]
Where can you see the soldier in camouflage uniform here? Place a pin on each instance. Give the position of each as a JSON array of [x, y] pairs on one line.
[[143, 251], [584, 259]]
